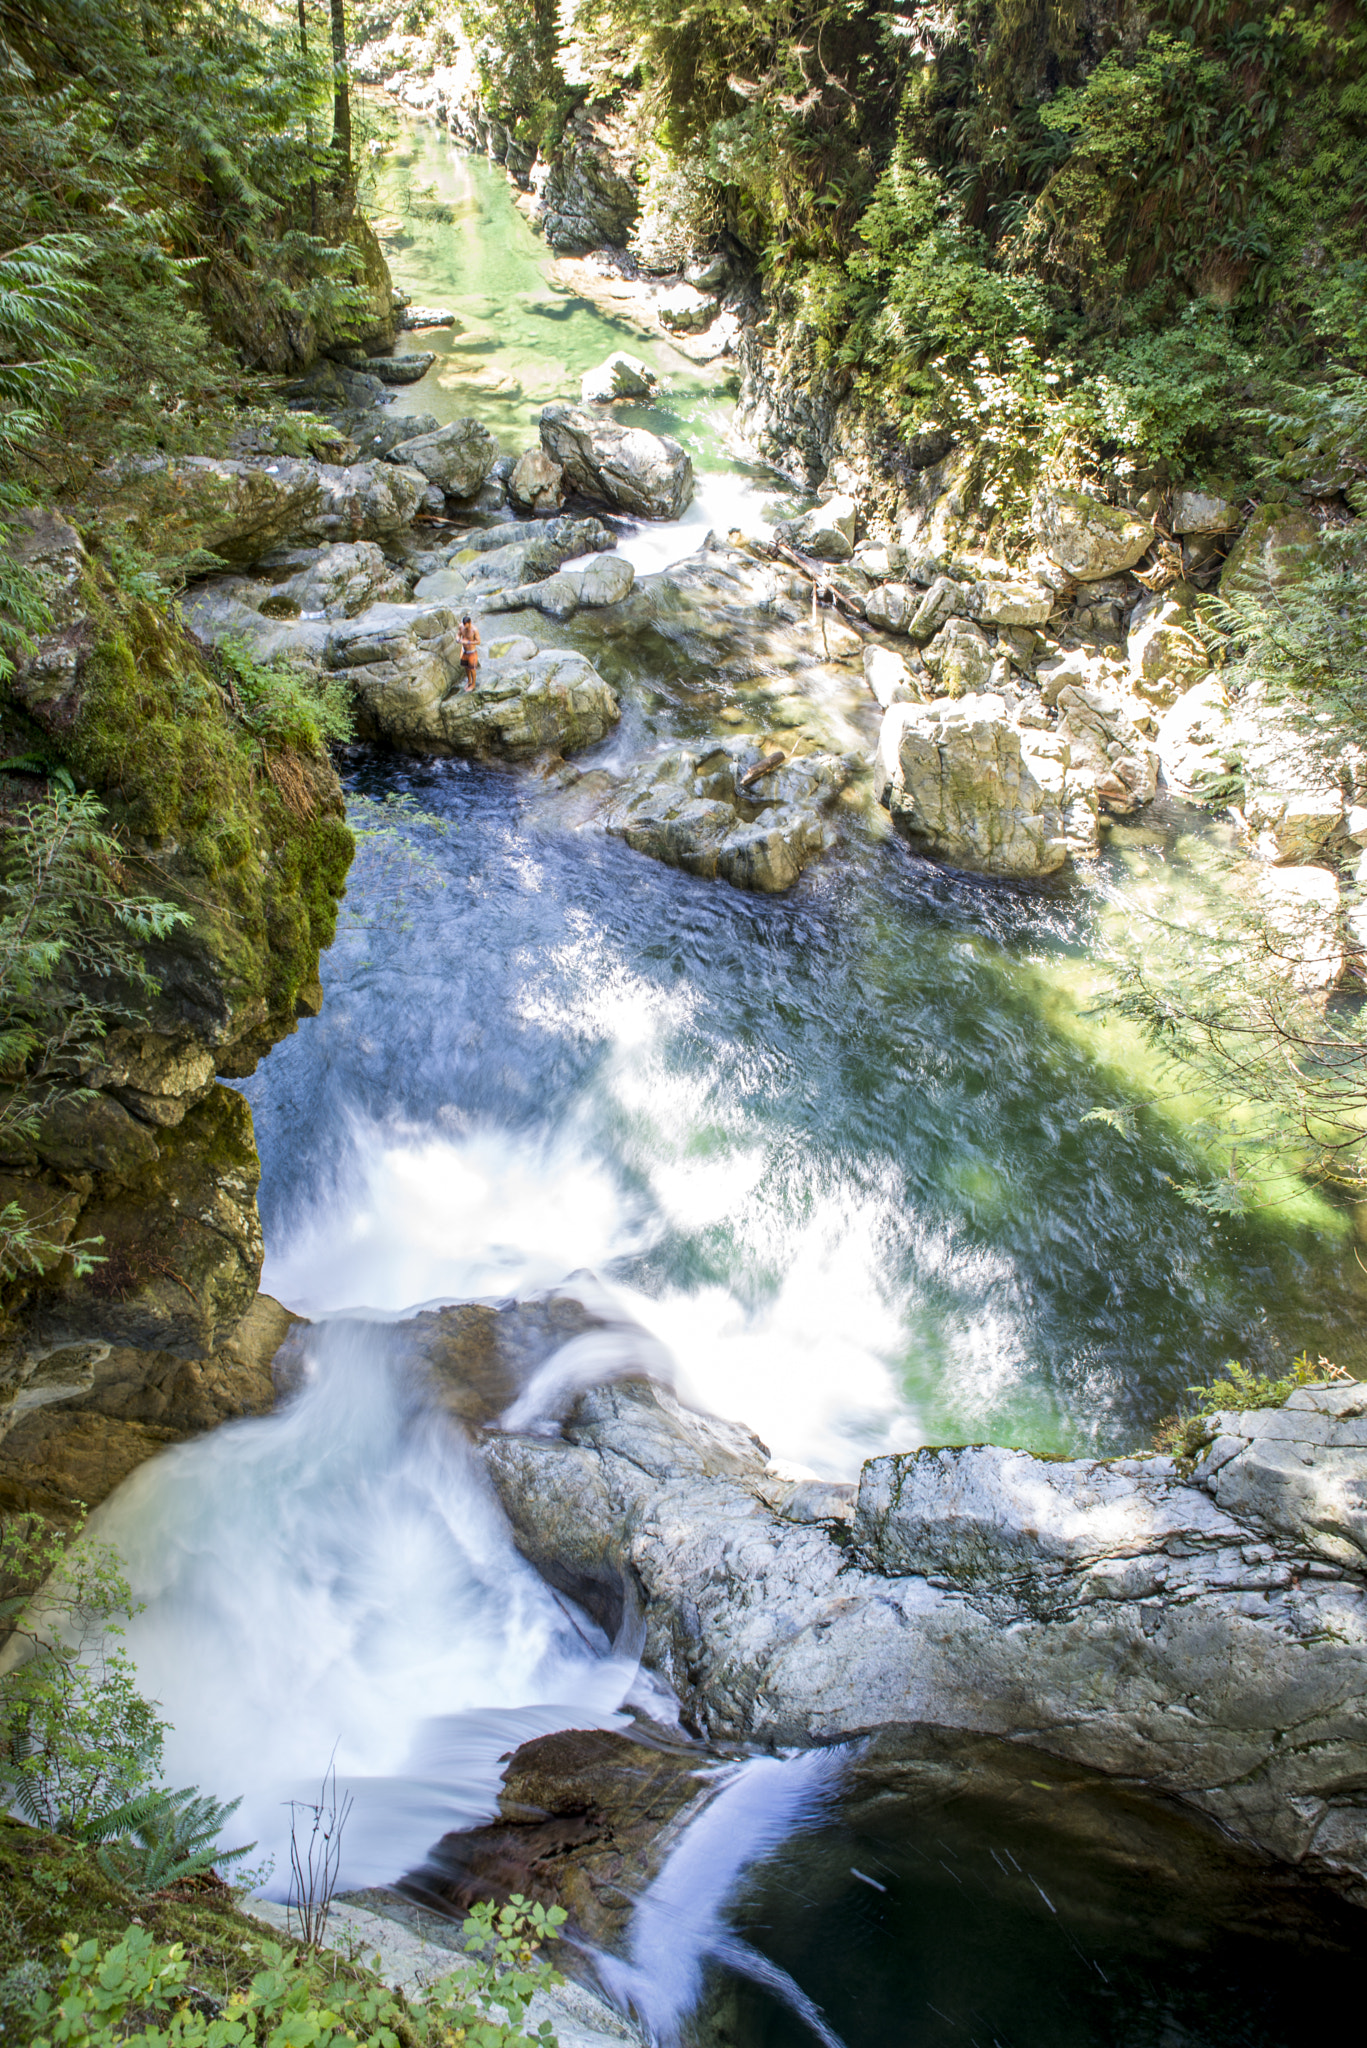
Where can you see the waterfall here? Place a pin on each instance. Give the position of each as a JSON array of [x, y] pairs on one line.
[[338, 1578]]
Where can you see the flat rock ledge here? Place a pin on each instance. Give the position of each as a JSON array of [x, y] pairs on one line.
[[1204, 1633]]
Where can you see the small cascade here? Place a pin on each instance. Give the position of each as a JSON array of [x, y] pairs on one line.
[[680, 1924]]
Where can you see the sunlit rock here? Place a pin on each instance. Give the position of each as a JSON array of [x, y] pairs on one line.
[[606, 581], [1203, 512], [970, 788], [457, 457], [1166, 652], [1275, 548], [1086, 536], [827, 531], [1300, 912], [1010, 604], [698, 811], [888, 677], [621, 376], [1102, 738], [683, 309], [648, 474], [1111, 1613], [241, 510], [536, 482], [960, 658], [892, 607]]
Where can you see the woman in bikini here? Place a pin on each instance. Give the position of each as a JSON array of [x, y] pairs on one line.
[[469, 650]]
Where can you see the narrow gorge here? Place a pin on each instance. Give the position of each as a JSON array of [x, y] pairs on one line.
[[710, 1263]]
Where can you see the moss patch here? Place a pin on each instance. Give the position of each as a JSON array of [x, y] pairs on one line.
[[252, 840], [49, 1888]]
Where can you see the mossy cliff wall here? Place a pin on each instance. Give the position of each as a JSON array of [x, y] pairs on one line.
[[252, 843]]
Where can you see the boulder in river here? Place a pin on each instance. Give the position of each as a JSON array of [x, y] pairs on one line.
[[621, 376], [536, 482], [1203, 1633], [402, 369], [606, 581], [971, 788], [647, 474], [457, 457], [710, 813], [528, 700]]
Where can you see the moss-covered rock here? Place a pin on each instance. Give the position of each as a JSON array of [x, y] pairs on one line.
[[250, 839]]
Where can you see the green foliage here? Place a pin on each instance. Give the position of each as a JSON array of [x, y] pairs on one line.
[[170, 1838], [1239, 1388], [138, 1993], [285, 705], [72, 939], [158, 188], [244, 827], [78, 1742]]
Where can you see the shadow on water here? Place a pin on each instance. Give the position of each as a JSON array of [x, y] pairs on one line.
[[967, 1892]]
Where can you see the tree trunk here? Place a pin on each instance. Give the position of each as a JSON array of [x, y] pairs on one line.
[[341, 94]]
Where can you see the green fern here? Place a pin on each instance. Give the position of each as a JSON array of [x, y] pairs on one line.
[[164, 1838]]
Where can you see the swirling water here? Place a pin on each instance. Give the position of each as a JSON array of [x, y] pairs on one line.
[[832, 1151]]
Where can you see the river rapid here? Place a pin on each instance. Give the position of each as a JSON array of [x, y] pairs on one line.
[[832, 1151]]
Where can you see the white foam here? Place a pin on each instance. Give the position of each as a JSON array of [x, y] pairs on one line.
[[338, 1577]]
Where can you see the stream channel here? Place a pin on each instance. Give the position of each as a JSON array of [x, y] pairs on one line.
[[829, 1149]]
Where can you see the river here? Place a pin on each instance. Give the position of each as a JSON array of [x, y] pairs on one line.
[[832, 1149]]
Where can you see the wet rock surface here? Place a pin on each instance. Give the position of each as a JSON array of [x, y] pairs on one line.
[[586, 1817]]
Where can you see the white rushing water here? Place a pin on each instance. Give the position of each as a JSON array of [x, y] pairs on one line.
[[337, 1579], [680, 1922]]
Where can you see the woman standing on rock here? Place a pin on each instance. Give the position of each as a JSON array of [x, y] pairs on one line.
[[469, 650]]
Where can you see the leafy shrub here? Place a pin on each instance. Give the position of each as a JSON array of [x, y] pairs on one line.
[[79, 1744], [138, 1994], [171, 1838], [284, 705], [1239, 1388]]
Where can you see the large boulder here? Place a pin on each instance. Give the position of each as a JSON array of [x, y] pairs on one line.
[[1014, 603], [528, 701], [1300, 914], [606, 581], [972, 789], [536, 482], [1088, 537], [621, 376], [1103, 739], [241, 510], [1166, 653], [457, 457], [1203, 512], [694, 809], [960, 658], [892, 607], [945, 599], [646, 474], [1110, 1613], [1274, 549], [827, 531], [1197, 746]]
